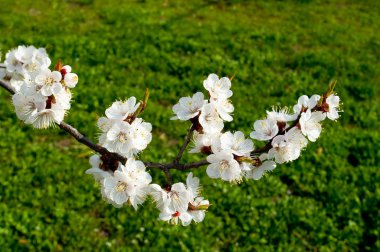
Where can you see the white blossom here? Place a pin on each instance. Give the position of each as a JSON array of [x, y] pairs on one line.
[[210, 120], [310, 125], [95, 170], [333, 105], [70, 80], [129, 183], [189, 107], [26, 60], [36, 109], [218, 88], [176, 217], [224, 108], [118, 139], [306, 103], [236, 143], [198, 214], [192, 185], [177, 199], [264, 129], [140, 134], [287, 147], [281, 115], [160, 196], [49, 82], [204, 141], [223, 165], [121, 110], [256, 172]]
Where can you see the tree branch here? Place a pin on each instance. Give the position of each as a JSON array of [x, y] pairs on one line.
[[103, 151], [185, 144], [7, 86]]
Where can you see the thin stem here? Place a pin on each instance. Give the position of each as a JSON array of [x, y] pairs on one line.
[[7, 86], [185, 144], [168, 178]]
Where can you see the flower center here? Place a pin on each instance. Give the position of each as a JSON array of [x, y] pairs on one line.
[[121, 186], [224, 165], [122, 137], [49, 81]]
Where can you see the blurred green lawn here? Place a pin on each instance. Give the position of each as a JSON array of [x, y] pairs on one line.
[[328, 200]]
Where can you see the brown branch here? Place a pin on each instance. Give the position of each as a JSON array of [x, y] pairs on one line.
[[185, 144], [115, 156], [8, 87]]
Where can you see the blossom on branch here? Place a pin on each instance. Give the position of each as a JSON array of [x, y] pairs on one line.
[[42, 96]]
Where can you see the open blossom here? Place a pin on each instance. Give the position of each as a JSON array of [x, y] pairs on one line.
[[181, 204], [129, 183], [281, 115], [236, 143], [218, 88], [333, 105], [27, 60], [264, 129], [287, 147], [224, 108], [118, 139], [189, 107], [23, 64], [176, 217], [203, 142], [306, 103], [256, 172], [36, 109], [95, 170], [192, 185], [198, 209], [49, 82], [210, 120], [310, 124], [140, 133], [120, 136], [121, 110], [177, 199], [40, 98], [127, 139], [223, 165]]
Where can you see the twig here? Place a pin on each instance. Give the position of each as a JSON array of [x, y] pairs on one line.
[[185, 144], [168, 178], [8, 87]]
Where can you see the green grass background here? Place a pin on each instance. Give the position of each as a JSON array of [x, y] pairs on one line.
[[328, 200]]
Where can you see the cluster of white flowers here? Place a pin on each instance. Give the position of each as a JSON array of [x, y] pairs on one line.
[[288, 133], [231, 155], [42, 96], [180, 203], [122, 131], [128, 184]]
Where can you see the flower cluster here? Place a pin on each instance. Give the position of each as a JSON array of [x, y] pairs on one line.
[[232, 156], [128, 184], [42, 96], [180, 203], [122, 131]]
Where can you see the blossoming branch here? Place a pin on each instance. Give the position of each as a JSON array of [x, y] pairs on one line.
[[41, 97]]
